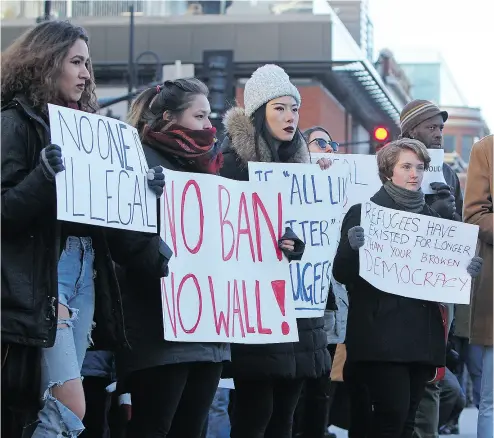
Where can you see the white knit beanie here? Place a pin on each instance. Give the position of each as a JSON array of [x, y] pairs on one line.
[[266, 83]]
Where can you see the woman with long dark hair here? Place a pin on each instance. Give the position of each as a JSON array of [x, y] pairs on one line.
[[268, 378], [56, 276]]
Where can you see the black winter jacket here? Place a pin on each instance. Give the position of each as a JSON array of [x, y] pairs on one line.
[[308, 358], [383, 327], [144, 316], [453, 181], [31, 243]]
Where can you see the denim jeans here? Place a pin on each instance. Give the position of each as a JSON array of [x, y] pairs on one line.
[[471, 357], [63, 362], [219, 420], [484, 426]]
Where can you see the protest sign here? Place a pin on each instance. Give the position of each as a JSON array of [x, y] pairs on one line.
[[104, 182], [417, 256], [362, 178], [228, 279], [435, 171], [313, 202]]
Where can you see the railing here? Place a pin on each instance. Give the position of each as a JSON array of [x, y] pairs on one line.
[[15, 9]]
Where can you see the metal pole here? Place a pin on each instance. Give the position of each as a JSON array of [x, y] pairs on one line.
[[131, 55], [47, 10]]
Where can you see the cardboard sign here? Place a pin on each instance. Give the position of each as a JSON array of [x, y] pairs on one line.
[[228, 281], [435, 171], [362, 179], [104, 182], [313, 201], [417, 256]]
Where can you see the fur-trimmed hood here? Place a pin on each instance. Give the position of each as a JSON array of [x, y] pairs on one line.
[[241, 138]]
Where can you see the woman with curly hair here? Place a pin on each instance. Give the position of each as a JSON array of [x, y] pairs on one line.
[[56, 276]]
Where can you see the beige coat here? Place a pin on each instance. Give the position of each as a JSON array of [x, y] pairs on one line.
[[478, 210]]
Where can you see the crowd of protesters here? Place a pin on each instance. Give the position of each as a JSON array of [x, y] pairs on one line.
[[83, 352]]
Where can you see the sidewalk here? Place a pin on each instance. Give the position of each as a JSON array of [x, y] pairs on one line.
[[468, 426]]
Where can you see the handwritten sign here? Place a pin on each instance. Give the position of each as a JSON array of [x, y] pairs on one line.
[[313, 200], [417, 256], [362, 178], [228, 279], [435, 171], [104, 182]]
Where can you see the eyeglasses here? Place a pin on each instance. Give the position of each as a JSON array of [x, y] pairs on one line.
[[323, 144]]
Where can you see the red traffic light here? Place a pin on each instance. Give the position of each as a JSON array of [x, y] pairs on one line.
[[381, 133]]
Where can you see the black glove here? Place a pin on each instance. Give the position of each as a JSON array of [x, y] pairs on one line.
[[445, 207], [156, 180], [51, 161], [442, 189], [298, 249]]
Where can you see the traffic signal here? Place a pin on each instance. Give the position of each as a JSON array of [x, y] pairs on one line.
[[218, 75], [380, 136]]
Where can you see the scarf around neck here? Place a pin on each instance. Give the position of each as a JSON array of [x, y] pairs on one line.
[[410, 200], [197, 146]]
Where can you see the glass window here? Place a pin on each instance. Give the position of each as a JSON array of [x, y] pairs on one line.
[[449, 143], [466, 147]]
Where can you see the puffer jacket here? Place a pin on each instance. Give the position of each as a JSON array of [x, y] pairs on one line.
[[309, 357]]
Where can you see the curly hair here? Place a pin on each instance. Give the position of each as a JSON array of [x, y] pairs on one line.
[[33, 63]]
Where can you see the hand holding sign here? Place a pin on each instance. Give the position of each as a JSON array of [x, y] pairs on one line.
[[418, 256], [51, 161], [156, 180], [356, 237], [475, 266]]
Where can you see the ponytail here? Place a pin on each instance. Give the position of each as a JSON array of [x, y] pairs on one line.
[[173, 97], [140, 113]]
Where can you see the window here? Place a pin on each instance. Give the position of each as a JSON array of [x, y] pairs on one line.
[[449, 143], [466, 147]]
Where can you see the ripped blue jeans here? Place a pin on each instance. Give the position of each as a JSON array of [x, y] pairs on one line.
[[63, 361]]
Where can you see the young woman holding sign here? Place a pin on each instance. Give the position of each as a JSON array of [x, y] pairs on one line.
[[55, 275], [268, 378], [394, 344], [172, 384]]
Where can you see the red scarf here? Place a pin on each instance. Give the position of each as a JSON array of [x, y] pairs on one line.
[[198, 146]]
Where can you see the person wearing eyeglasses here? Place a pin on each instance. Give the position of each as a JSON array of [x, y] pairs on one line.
[[319, 141]]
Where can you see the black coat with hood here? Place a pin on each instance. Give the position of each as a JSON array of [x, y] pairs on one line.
[[308, 358], [383, 327], [32, 242]]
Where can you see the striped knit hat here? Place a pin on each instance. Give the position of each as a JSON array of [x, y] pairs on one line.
[[416, 112]]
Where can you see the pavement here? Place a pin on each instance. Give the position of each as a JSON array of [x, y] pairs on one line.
[[468, 426]]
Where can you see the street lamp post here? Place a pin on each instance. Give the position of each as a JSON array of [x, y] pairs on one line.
[[131, 55]]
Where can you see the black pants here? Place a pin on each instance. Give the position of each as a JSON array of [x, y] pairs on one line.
[[265, 408], [97, 407], [313, 409], [172, 401], [393, 392]]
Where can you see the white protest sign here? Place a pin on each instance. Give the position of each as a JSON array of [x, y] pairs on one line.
[[104, 182], [435, 171], [313, 202], [228, 281], [417, 256], [362, 180]]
